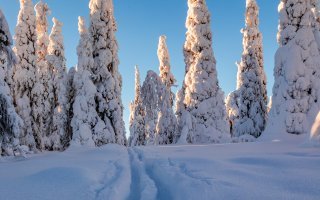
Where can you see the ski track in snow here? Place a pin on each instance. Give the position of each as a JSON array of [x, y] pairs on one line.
[[173, 178], [166, 173], [142, 185], [113, 171]]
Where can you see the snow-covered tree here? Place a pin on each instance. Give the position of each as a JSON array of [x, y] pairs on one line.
[[202, 98], [85, 122], [232, 107], [105, 72], [166, 75], [167, 122], [42, 92], [85, 117], [247, 107], [137, 127], [25, 71], [42, 11], [151, 92], [7, 55], [10, 122], [183, 125], [295, 100], [56, 61], [71, 93]]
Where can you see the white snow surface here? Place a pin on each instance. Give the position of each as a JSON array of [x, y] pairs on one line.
[[282, 169]]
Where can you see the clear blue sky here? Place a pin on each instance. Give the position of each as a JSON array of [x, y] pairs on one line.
[[141, 22]]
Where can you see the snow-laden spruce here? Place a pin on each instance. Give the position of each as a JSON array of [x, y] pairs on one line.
[[105, 73], [202, 97], [85, 118], [167, 122], [166, 75], [137, 125], [10, 122], [247, 106], [8, 57], [295, 100], [151, 92], [57, 63], [42, 92], [25, 71]]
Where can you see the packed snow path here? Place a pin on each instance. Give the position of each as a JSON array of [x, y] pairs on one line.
[[268, 170]]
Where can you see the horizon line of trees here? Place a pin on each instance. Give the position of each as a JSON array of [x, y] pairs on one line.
[[45, 108], [202, 115]]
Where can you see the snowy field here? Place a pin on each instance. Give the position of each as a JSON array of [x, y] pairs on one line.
[[262, 170]]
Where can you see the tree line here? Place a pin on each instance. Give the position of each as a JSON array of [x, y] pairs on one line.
[[46, 108]]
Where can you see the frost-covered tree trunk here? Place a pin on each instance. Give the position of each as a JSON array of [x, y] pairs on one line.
[[25, 71], [10, 122], [247, 107], [151, 94], [42, 92], [203, 98], [295, 100], [137, 127], [167, 122], [85, 122], [106, 74], [56, 61], [71, 95], [232, 107], [182, 126]]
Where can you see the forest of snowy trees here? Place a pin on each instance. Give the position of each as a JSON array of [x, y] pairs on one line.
[[46, 107]]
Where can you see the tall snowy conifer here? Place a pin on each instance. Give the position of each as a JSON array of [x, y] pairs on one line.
[[85, 118], [10, 122], [166, 75], [202, 97], [106, 74], [42, 92], [25, 71], [167, 122], [151, 92], [137, 116], [56, 61], [250, 98], [295, 100]]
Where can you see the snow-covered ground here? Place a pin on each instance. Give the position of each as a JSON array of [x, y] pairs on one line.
[[261, 170]]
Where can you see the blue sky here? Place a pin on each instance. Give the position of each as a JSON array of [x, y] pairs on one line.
[[141, 22]]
